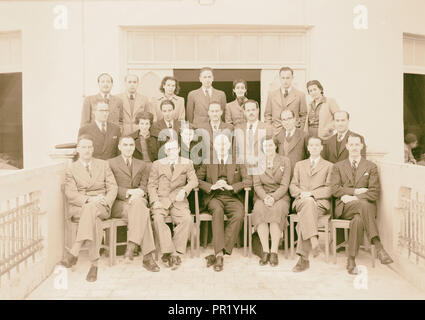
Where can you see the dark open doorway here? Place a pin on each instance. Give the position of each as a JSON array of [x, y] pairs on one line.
[[414, 109], [223, 80], [11, 150]]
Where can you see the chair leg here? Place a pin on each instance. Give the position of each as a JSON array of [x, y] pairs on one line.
[[286, 238], [327, 242], [245, 234], [373, 253], [112, 247], [250, 236], [198, 238], [292, 235], [346, 241], [205, 234], [333, 242], [192, 240]]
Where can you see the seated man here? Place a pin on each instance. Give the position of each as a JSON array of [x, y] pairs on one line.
[[355, 184], [310, 187], [171, 180], [222, 182], [132, 176], [91, 189], [105, 134]]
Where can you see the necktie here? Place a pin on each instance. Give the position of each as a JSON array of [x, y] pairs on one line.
[[286, 93], [339, 137], [354, 168], [207, 95], [131, 104], [250, 139], [87, 168], [127, 161], [172, 168], [103, 128], [106, 99], [169, 125], [312, 165]]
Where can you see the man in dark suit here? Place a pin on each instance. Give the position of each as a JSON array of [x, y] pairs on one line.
[[291, 141], [90, 189], [334, 149], [132, 177], [355, 185], [222, 183], [286, 97], [146, 144], [115, 116], [167, 128], [105, 134], [199, 100]]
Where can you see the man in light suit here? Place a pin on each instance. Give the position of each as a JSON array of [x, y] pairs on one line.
[[310, 187], [334, 148], [91, 189], [355, 185], [171, 180], [132, 176], [105, 134], [221, 183], [133, 102], [105, 82], [286, 97], [199, 100], [291, 141]]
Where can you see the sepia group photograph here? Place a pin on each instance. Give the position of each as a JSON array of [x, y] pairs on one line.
[[212, 155]]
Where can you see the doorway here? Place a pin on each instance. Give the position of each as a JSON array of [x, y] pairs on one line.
[[223, 80]]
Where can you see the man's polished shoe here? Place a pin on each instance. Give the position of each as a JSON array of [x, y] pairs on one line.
[[178, 260], [92, 275], [174, 262], [166, 259], [210, 260], [265, 259], [302, 265], [351, 266], [218, 266], [274, 260], [129, 251], [150, 264], [384, 257], [69, 260]]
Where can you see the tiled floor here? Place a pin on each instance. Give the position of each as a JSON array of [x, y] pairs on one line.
[[242, 278]]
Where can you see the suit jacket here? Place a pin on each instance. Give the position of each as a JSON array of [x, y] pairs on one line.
[[316, 181], [274, 181], [326, 125], [80, 185], [162, 133], [141, 103], [151, 143], [236, 177], [296, 149], [164, 186], [179, 111], [329, 148], [276, 103], [206, 131], [234, 113], [197, 105], [115, 109], [105, 145], [343, 182]]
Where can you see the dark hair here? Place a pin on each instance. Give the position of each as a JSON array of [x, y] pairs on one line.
[[314, 137], [251, 101], [354, 136], [286, 69], [205, 69], [104, 74], [145, 115], [85, 137], [410, 137], [287, 110], [131, 75], [348, 115], [235, 82], [125, 137], [315, 82], [165, 79], [164, 102], [214, 102]]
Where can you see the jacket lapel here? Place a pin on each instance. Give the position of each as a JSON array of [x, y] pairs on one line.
[[137, 142], [361, 168], [137, 103], [291, 97], [177, 170], [348, 170], [95, 172], [319, 166], [124, 167], [107, 136], [126, 104], [343, 143], [81, 172], [135, 167], [294, 140]]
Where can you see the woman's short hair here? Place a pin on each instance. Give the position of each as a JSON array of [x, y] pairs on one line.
[[164, 102], [235, 82], [165, 79], [143, 115], [317, 83]]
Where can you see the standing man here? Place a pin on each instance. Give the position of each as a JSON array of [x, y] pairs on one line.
[[132, 176], [171, 180], [355, 185], [286, 97], [133, 102], [334, 149], [115, 104], [199, 100], [222, 183], [311, 189], [90, 189], [291, 141], [105, 134]]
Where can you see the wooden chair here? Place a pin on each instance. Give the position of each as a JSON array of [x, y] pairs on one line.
[[323, 226], [345, 224], [206, 216]]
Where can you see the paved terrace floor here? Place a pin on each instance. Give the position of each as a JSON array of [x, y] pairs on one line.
[[242, 278]]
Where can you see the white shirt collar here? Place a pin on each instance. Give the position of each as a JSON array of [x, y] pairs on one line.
[[358, 159], [125, 159], [226, 156], [343, 135], [291, 133], [283, 90], [105, 96], [315, 160], [131, 94], [254, 125], [99, 125], [218, 125], [169, 122], [209, 90], [84, 163]]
